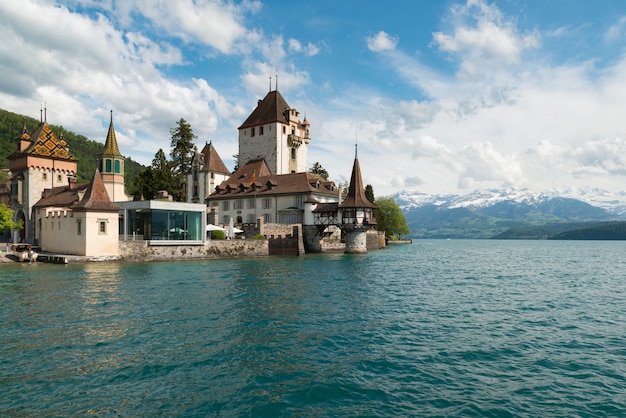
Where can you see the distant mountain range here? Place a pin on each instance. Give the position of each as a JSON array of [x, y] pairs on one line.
[[511, 213]]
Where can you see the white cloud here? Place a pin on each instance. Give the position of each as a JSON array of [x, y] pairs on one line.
[[616, 31], [381, 42], [483, 38]]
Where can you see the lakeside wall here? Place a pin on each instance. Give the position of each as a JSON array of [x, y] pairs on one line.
[[142, 251]]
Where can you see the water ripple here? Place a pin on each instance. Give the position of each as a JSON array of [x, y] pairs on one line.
[[438, 328]]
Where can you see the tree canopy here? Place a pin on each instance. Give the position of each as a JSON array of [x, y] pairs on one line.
[[390, 218], [6, 219], [319, 170], [155, 178], [84, 149], [182, 147]]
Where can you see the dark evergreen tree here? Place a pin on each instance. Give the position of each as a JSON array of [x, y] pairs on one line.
[[319, 170], [369, 193], [157, 177], [236, 157], [182, 147], [182, 155]]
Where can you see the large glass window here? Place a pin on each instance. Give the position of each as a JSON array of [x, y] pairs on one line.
[[165, 225]]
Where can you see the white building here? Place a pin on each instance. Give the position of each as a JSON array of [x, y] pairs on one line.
[[207, 171], [274, 132]]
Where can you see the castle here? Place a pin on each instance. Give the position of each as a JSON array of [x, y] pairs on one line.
[[271, 190]]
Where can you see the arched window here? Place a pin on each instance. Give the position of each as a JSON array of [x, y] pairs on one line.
[[108, 166], [117, 166]]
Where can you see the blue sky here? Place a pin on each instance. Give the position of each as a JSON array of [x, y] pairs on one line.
[[442, 96]]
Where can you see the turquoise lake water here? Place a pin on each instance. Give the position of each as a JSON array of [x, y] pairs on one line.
[[436, 328]]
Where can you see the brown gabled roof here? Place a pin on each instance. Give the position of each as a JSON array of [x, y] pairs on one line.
[[212, 160], [110, 145], [45, 144], [356, 193], [96, 197], [62, 196], [265, 183], [269, 110], [244, 173]]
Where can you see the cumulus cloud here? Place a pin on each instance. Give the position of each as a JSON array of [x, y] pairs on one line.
[[485, 165], [215, 23], [381, 42], [90, 67], [309, 50], [483, 38]]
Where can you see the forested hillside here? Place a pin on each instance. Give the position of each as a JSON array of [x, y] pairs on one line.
[[81, 147]]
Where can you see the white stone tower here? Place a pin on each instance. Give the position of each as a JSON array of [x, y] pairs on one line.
[[274, 132]]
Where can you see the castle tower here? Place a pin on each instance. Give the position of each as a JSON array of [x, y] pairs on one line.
[[356, 213], [207, 171], [111, 166], [42, 161], [274, 132]]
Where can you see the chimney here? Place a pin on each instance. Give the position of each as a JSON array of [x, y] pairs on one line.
[[72, 182]]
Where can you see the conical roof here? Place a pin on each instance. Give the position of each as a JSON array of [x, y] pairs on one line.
[[110, 145], [356, 192]]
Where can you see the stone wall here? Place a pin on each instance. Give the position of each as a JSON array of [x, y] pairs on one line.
[[375, 240], [142, 251]]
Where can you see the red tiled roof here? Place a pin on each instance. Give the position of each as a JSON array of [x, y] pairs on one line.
[[212, 160], [238, 185], [62, 196], [96, 197]]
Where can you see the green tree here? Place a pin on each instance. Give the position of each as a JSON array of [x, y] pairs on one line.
[[369, 193], [182, 156], [236, 157], [182, 147], [390, 218], [155, 178], [6, 219], [319, 170]]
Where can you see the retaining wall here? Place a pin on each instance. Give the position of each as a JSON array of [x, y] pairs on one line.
[[142, 251]]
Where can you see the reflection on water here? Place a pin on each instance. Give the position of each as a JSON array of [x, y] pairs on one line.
[[103, 315]]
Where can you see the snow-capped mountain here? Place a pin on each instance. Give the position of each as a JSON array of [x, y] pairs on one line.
[[491, 212], [613, 203]]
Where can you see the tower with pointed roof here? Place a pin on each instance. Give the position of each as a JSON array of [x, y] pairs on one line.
[[42, 161], [356, 213], [78, 219], [111, 165], [274, 132], [207, 171]]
